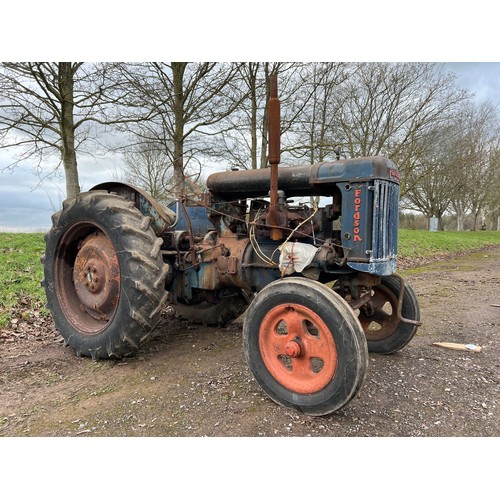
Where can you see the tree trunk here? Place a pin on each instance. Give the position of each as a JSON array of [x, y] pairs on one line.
[[178, 69], [498, 223], [460, 218], [474, 223], [68, 153], [265, 125], [252, 84]]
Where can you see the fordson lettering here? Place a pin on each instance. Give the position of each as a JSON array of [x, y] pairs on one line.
[[395, 175], [357, 215]]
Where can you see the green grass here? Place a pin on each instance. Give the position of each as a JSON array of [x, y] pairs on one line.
[[21, 270], [20, 274], [421, 243]]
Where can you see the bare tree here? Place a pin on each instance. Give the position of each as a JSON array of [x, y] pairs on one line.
[[316, 134], [242, 139], [185, 101], [149, 168], [239, 142], [433, 178], [492, 205], [54, 109], [477, 162], [390, 108]]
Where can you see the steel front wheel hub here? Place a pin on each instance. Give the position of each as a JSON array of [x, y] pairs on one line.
[[292, 349], [298, 348], [381, 320]]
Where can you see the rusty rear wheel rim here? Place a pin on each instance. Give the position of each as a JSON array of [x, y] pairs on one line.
[[87, 278], [297, 348], [382, 321]]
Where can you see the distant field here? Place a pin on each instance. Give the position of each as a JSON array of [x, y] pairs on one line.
[[21, 270], [421, 243]]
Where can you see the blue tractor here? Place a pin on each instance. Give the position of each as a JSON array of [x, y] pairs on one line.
[[316, 280]]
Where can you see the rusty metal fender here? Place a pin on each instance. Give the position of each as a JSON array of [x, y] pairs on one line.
[[161, 216]]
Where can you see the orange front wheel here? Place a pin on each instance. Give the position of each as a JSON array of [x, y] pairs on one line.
[[305, 346], [297, 348]]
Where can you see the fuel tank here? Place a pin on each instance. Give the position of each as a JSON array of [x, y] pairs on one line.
[[302, 180]]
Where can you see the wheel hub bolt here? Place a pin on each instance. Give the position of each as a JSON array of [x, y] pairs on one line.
[[292, 349]]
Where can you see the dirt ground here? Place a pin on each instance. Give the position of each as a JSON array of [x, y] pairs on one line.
[[194, 381]]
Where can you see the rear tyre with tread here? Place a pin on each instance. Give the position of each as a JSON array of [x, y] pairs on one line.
[[103, 275], [230, 305]]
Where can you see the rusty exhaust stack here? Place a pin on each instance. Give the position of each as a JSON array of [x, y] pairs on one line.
[[274, 155]]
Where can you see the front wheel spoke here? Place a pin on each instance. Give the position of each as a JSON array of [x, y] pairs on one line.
[[301, 367], [315, 347], [279, 342], [295, 324], [379, 300], [382, 318]]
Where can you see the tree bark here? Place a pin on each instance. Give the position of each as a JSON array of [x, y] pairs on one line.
[[475, 214], [460, 219], [68, 153], [265, 125], [178, 69], [252, 85]]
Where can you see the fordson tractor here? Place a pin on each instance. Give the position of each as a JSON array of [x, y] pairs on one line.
[[315, 280]]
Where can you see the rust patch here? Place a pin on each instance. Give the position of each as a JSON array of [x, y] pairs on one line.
[[96, 276]]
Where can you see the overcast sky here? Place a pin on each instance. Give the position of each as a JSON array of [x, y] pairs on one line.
[[26, 203]]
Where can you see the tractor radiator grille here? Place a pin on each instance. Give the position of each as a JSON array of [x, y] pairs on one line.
[[385, 220]]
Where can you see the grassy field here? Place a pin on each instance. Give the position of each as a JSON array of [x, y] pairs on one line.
[[422, 243], [21, 270], [20, 274]]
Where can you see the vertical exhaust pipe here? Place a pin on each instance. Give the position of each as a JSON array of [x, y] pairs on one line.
[[274, 127]]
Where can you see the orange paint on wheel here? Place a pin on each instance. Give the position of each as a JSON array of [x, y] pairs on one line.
[[297, 348]]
